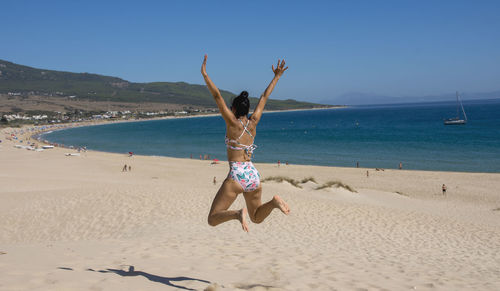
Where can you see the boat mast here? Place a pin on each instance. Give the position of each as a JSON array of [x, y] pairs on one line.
[[458, 115], [463, 110]]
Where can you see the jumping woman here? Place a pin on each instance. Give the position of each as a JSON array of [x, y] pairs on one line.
[[243, 177]]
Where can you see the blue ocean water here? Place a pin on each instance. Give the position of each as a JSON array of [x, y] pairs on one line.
[[375, 136]]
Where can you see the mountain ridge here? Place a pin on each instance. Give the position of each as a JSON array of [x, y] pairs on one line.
[[25, 80]]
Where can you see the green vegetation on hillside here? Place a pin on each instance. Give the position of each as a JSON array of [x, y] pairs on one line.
[[16, 78]]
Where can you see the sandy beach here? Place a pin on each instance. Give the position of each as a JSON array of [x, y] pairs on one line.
[[80, 223]]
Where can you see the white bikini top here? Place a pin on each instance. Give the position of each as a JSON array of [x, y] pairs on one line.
[[235, 144]]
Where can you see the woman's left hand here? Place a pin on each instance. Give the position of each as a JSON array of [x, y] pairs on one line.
[[280, 69]]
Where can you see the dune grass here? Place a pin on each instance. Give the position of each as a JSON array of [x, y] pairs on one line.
[[305, 180], [336, 184], [297, 183], [280, 179]]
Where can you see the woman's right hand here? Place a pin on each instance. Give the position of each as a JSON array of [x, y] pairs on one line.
[[204, 67], [280, 69]]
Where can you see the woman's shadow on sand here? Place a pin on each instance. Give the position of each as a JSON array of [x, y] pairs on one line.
[[164, 280]]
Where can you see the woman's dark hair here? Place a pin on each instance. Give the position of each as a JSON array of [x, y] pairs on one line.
[[241, 104]]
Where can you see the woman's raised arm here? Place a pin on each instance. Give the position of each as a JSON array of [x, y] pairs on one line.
[[224, 111], [280, 69]]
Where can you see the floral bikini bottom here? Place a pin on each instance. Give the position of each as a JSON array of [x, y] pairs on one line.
[[245, 174]]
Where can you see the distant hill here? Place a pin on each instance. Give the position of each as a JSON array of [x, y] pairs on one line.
[[26, 80], [356, 98]]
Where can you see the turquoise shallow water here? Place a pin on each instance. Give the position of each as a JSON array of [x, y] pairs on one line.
[[374, 136]]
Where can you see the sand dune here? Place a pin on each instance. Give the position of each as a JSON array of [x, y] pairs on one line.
[[79, 223]]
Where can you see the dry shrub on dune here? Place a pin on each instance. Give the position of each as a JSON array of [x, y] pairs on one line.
[[305, 180], [294, 182], [336, 184], [280, 179]]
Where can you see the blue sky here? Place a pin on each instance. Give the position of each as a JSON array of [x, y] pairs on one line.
[[397, 48]]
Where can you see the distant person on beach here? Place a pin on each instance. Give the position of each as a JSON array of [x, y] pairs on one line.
[[279, 163], [400, 165], [124, 169], [215, 181], [129, 168], [357, 164], [444, 189], [243, 177], [367, 174]]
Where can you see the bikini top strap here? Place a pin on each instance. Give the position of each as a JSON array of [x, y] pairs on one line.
[[245, 129]]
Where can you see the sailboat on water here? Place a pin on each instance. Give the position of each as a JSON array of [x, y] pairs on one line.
[[457, 120]]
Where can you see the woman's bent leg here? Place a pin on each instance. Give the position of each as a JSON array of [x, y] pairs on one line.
[[222, 201], [258, 211]]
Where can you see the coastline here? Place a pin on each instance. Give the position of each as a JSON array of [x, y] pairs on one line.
[[40, 130], [32, 138], [104, 122], [29, 138]]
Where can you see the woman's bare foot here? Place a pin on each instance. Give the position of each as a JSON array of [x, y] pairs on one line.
[[279, 203], [243, 219]]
